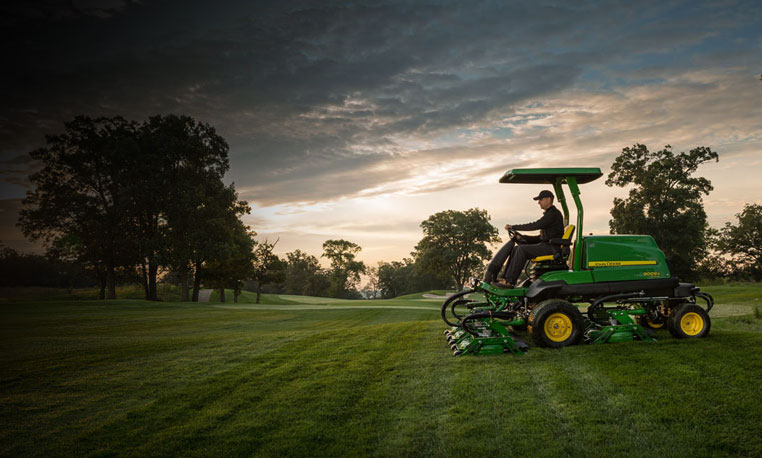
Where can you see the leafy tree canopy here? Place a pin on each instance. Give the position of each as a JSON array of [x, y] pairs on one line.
[[79, 193], [393, 278], [268, 267], [116, 194], [345, 269], [742, 242], [454, 244], [304, 276], [665, 201]]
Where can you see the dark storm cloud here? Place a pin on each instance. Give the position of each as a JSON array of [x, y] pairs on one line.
[[311, 95]]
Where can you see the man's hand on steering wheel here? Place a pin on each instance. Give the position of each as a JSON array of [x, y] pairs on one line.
[[513, 234]]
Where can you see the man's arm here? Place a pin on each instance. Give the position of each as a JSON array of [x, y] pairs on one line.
[[541, 223]]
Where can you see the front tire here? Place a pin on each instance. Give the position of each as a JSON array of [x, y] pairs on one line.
[[556, 323], [689, 321]]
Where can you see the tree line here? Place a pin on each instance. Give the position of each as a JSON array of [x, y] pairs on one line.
[[124, 201], [143, 201]]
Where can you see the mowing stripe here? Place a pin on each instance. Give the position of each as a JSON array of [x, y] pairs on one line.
[[321, 307]]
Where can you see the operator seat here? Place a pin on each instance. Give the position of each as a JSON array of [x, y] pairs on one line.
[[555, 261]]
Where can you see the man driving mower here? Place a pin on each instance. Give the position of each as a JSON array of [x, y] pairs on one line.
[[523, 247]]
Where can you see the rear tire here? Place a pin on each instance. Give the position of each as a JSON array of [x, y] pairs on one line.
[[556, 323], [689, 321]]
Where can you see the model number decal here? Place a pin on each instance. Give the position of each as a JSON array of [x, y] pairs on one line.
[[619, 263]]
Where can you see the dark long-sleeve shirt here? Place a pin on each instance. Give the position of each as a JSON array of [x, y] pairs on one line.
[[551, 226]]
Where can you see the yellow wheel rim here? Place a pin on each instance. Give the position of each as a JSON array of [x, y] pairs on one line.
[[558, 327], [692, 323], [655, 325]]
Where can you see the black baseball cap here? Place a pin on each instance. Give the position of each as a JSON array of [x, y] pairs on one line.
[[544, 193]]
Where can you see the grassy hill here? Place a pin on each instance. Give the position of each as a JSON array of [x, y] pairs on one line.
[[324, 377]]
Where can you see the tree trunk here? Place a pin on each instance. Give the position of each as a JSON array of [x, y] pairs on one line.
[[184, 285], [259, 290], [196, 282], [102, 284], [236, 293], [145, 280], [153, 270], [111, 282], [222, 294]]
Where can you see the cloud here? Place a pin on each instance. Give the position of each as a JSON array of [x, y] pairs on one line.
[[262, 71], [332, 105]]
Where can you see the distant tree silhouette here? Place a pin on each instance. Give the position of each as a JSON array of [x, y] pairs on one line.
[[234, 263], [345, 269], [742, 242], [268, 268], [79, 198], [117, 194], [184, 164], [304, 275]]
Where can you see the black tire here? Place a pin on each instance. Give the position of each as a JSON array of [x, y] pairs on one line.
[[556, 323], [689, 321], [533, 313]]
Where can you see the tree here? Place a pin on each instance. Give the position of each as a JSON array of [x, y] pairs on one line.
[[217, 221], [743, 242], [397, 278], [454, 244], [665, 202], [345, 270], [149, 186], [304, 276], [393, 278], [200, 212], [234, 264], [79, 195], [268, 268], [372, 287]]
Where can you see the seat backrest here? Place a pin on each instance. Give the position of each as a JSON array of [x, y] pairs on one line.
[[568, 232], [563, 254]]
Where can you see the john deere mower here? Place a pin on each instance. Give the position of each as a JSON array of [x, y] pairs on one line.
[[622, 283]]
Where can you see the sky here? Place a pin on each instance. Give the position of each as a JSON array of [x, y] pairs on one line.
[[358, 120]]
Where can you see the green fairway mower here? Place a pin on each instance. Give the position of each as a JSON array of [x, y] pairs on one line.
[[622, 280]]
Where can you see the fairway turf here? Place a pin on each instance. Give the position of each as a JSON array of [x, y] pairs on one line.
[[321, 377]]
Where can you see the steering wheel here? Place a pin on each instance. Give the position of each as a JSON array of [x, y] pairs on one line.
[[513, 234]]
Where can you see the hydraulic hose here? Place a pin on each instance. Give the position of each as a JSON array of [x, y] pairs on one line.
[[596, 303], [457, 303], [449, 300], [482, 315], [708, 299]]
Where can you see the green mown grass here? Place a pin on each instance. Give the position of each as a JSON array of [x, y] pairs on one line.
[[166, 292], [128, 377]]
